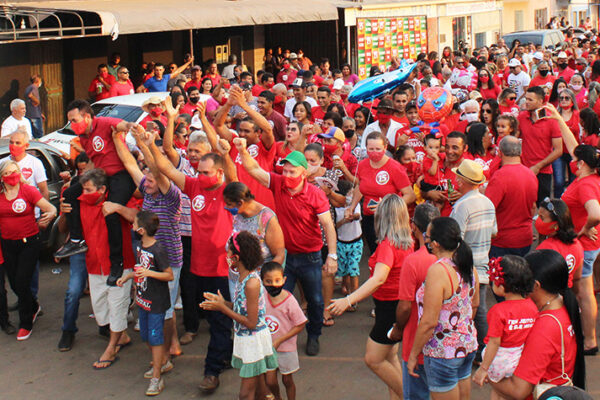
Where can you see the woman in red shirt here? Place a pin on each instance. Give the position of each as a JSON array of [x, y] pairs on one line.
[[377, 176], [395, 243], [486, 85], [507, 102], [489, 115], [568, 109], [20, 239], [480, 148], [295, 139], [557, 323], [590, 127], [554, 222]]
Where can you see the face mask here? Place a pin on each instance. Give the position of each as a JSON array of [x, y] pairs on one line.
[[79, 127], [343, 96], [234, 211], [312, 169], [16, 151], [349, 133], [576, 88], [567, 107], [573, 167], [292, 183], [546, 228], [156, 111], [12, 179], [194, 100], [544, 72], [471, 117], [104, 75], [194, 164], [484, 79], [270, 85], [562, 65], [205, 182], [384, 118], [90, 198], [329, 148], [273, 291], [580, 68], [411, 167], [510, 102], [376, 156]]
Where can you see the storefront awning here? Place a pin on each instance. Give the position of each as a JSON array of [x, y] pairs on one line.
[[114, 17]]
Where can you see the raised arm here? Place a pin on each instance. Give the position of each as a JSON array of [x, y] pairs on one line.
[[211, 135], [168, 147], [127, 158], [166, 167], [250, 163], [221, 118], [223, 148], [183, 67], [267, 136], [567, 136], [143, 140]]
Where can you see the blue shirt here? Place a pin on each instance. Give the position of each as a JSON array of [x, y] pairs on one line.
[[155, 85]]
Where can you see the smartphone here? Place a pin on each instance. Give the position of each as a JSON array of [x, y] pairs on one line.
[[372, 203], [540, 113]]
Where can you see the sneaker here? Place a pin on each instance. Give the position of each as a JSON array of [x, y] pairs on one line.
[[209, 384], [37, 314], [136, 327], [23, 334], [155, 387], [187, 338], [312, 346], [66, 341], [8, 328], [178, 303], [71, 248], [163, 370]]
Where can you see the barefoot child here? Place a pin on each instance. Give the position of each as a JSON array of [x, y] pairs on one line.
[[152, 274], [509, 321], [285, 320], [253, 352]]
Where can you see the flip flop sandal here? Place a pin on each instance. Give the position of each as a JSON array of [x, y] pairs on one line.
[[109, 362]]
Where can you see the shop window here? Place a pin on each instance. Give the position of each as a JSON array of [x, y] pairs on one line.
[[541, 18], [519, 20], [459, 32], [221, 54], [480, 39]]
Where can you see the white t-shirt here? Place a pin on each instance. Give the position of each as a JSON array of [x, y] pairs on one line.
[[350, 230], [11, 125], [519, 82], [289, 106], [374, 127]]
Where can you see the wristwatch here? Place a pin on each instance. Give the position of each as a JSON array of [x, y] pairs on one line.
[[333, 256]]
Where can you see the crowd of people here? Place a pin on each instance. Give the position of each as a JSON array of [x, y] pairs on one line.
[[256, 202]]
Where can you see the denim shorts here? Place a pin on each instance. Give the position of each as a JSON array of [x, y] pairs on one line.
[[443, 374], [173, 290], [588, 262], [151, 327]]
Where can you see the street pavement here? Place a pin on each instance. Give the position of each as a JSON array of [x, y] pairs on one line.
[[35, 369]]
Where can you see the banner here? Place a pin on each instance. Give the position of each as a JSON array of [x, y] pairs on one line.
[[380, 39]]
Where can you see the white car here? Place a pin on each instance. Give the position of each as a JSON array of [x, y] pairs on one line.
[[127, 108]]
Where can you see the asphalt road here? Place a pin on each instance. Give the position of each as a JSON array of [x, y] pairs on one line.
[[35, 369]]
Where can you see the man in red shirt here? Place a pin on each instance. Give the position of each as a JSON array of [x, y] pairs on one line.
[[123, 85], [96, 135], [413, 274], [563, 69], [266, 83], [196, 79], [542, 141], [211, 228], [287, 75], [543, 76], [324, 100], [213, 74], [278, 122], [300, 207], [101, 84], [400, 100], [513, 190]]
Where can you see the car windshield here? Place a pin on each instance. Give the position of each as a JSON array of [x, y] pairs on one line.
[[126, 113], [523, 38]]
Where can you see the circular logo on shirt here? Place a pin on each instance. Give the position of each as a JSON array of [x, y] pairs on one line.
[[420, 156], [570, 259], [272, 323], [198, 203], [98, 143], [253, 150], [19, 206], [382, 177], [271, 123]]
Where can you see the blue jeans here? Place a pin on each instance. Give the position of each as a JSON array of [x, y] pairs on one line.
[[306, 269], [503, 251], [414, 388], [480, 319], [77, 281], [559, 166], [37, 125]]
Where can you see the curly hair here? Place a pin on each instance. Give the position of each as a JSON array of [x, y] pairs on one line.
[[518, 278], [247, 247]]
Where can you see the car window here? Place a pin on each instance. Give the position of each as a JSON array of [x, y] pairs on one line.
[[535, 38], [61, 162], [126, 113]]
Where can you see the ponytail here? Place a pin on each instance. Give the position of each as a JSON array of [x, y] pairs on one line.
[[463, 259], [572, 307]]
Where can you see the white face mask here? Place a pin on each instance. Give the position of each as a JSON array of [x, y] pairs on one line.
[[576, 88], [471, 117]]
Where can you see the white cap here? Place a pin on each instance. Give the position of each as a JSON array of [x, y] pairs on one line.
[[514, 63], [338, 83], [538, 55], [562, 54]]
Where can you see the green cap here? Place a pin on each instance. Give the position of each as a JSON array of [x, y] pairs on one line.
[[297, 159]]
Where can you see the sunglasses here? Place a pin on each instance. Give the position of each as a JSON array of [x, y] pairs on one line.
[[487, 111], [124, 72], [512, 98], [561, 98]]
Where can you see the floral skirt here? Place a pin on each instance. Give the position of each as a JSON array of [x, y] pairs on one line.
[[254, 355], [505, 363]]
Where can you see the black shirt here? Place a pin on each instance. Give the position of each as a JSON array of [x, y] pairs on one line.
[[152, 295]]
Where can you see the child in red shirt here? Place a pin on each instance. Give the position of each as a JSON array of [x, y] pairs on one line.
[[433, 176], [509, 321]]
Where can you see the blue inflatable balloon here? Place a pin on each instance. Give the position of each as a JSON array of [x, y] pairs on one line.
[[375, 86]]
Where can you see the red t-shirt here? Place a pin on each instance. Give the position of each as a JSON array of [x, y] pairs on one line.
[[121, 89], [298, 215], [490, 93], [264, 158], [484, 161], [537, 140], [17, 216], [188, 108], [258, 89], [514, 110], [104, 92], [148, 118], [539, 81], [513, 190], [438, 177], [211, 228], [566, 74], [572, 253], [511, 320], [281, 152], [449, 175], [413, 142], [351, 108], [100, 147], [93, 225], [500, 77], [576, 195], [389, 255], [413, 274], [349, 161], [540, 360], [317, 115], [592, 140], [191, 82], [376, 183], [286, 77]]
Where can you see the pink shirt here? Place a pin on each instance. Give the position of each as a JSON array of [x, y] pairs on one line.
[[282, 318]]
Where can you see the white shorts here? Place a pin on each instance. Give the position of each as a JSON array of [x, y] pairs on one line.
[[288, 362], [110, 303]]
